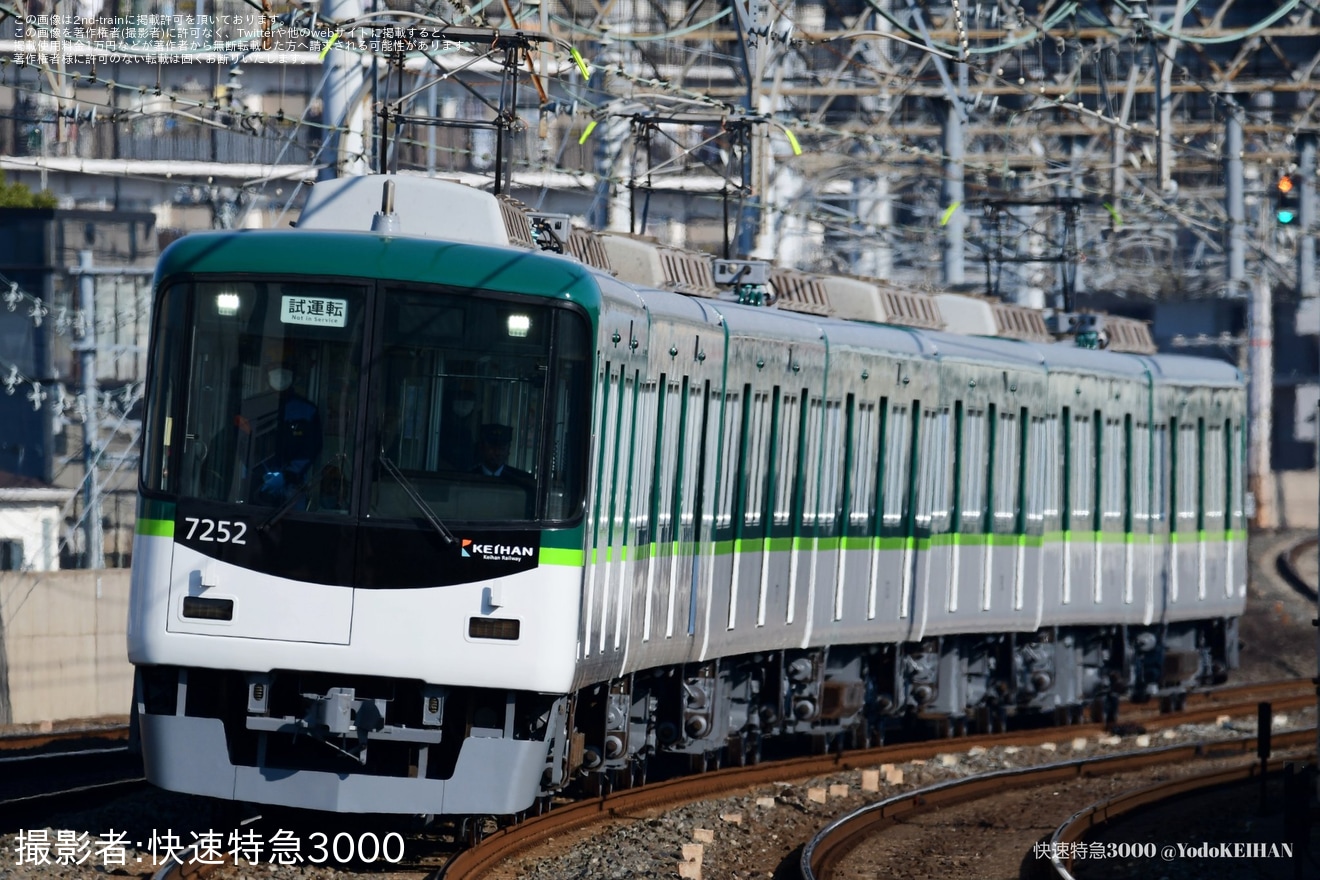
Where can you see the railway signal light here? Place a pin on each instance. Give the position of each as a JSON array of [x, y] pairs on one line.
[[1285, 200]]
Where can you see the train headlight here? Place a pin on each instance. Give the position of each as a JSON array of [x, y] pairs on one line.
[[433, 705], [519, 325], [227, 304], [258, 702]]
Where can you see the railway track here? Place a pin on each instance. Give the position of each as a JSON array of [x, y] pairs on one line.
[[85, 736], [823, 855], [34, 785], [1287, 565], [453, 862], [516, 840], [1114, 809]]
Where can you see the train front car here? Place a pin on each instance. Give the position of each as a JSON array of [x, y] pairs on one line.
[[357, 568]]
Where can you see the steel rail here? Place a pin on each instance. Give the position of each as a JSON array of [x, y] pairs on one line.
[[1286, 563], [1109, 809], [22, 741], [513, 840], [824, 852]]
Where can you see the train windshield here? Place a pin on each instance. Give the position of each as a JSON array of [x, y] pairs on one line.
[[464, 407], [478, 408], [271, 399]]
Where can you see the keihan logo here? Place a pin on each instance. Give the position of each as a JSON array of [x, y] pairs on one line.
[[495, 552]]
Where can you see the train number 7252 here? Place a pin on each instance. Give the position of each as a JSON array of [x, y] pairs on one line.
[[218, 531]]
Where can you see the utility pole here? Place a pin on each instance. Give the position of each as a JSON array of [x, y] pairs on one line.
[[1307, 284], [952, 212], [343, 99], [91, 423], [1234, 203], [1260, 398]]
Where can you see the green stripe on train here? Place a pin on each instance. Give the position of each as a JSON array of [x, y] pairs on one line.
[[156, 528], [559, 556]]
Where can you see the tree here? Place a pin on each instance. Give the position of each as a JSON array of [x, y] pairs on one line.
[[18, 195]]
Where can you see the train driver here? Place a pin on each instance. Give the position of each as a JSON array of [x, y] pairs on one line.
[[286, 436], [493, 457]]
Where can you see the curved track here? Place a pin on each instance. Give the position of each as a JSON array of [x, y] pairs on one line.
[[510, 842], [1289, 570], [1079, 824], [824, 853]]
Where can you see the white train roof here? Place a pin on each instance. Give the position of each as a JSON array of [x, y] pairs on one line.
[[442, 209], [426, 208], [1181, 369]]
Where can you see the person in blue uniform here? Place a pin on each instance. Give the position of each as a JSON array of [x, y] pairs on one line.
[[285, 437]]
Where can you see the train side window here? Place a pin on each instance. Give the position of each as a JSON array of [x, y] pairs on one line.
[[933, 492], [160, 438], [692, 445], [1007, 458], [645, 465], [1039, 459], [1053, 469], [1082, 482], [758, 458], [833, 463], [1142, 477], [1214, 478], [973, 466], [787, 458], [1187, 488], [626, 435], [1234, 452], [670, 414], [811, 462], [608, 497], [729, 466], [897, 454], [1159, 464], [1112, 471], [862, 478]]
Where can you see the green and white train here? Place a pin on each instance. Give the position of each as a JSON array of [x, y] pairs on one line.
[[435, 522]]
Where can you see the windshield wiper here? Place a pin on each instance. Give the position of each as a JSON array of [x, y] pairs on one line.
[[393, 470], [299, 494]]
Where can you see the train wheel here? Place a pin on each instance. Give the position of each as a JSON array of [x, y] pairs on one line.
[[621, 779], [638, 771], [472, 830], [1111, 708], [737, 748], [820, 743], [985, 720]]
